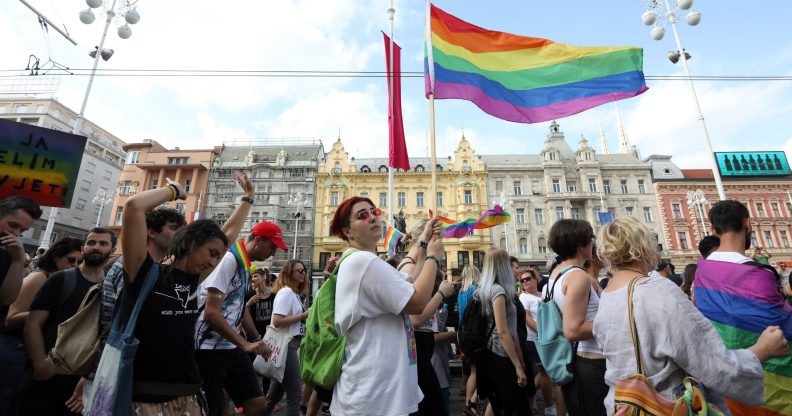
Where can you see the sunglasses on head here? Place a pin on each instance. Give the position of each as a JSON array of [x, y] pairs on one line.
[[365, 214]]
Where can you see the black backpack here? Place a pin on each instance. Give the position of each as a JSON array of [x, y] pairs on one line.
[[473, 334]]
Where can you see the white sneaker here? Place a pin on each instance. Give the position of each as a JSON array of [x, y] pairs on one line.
[[550, 411]]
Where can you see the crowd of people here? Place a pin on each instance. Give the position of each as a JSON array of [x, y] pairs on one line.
[[202, 325]]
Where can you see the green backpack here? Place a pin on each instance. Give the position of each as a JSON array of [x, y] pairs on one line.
[[322, 349]]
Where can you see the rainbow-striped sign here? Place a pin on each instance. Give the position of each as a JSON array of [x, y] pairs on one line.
[[38, 163]]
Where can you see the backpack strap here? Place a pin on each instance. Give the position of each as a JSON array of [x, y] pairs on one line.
[[766, 267], [69, 282], [346, 254], [549, 294]]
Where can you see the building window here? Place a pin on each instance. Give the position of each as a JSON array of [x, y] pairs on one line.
[[606, 186], [676, 210], [81, 203], [629, 210], [177, 160], [154, 183], [468, 196], [499, 186], [478, 258], [760, 210], [40, 108], [789, 208], [541, 245], [187, 186], [575, 213], [401, 199], [126, 188], [383, 200], [2, 109], [85, 185], [523, 246], [383, 169], [439, 199], [419, 199], [438, 168], [107, 176], [133, 158], [22, 108], [119, 216], [180, 208], [419, 168], [774, 207], [592, 185], [364, 194], [297, 173], [647, 214], [769, 239], [683, 243], [539, 216], [463, 259], [520, 215], [571, 187], [556, 185], [641, 187], [324, 257], [364, 169], [90, 167], [624, 186], [334, 198], [784, 238], [517, 188], [559, 213], [753, 239]]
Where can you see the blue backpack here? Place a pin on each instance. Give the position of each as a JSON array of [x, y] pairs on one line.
[[556, 352]]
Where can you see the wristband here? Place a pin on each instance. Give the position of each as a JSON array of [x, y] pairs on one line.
[[424, 243], [247, 199], [436, 260], [176, 191]]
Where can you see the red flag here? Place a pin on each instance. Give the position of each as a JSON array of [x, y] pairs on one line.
[[397, 155]]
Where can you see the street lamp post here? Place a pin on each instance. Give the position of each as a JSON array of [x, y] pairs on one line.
[[126, 10], [102, 198], [300, 199], [698, 199], [650, 17]]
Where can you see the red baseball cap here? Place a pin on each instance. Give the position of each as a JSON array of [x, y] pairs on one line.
[[270, 231]]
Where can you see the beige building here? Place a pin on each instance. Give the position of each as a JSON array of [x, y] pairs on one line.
[[461, 194], [149, 163]]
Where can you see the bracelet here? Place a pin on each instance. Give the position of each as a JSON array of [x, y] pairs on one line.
[[247, 199], [436, 260], [175, 190], [410, 258], [423, 243]]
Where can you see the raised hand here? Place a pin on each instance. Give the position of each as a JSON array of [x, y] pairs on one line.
[[244, 182]]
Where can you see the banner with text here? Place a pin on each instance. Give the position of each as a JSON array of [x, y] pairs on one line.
[[38, 163]]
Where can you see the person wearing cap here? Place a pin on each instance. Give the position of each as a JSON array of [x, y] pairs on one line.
[[664, 270], [222, 353]]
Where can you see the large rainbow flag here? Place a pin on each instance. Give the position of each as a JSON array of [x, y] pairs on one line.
[[520, 78], [458, 229], [741, 300]]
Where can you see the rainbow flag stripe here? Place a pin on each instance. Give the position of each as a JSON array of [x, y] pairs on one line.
[[243, 260], [458, 229], [392, 237], [524, 79], [741, 300]]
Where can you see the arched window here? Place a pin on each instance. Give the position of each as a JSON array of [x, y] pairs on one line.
[[365, 169], [419, 168], [383, 169], [542, 245], [523, 246], [439, 168]]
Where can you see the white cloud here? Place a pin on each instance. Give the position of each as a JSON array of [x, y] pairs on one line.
[[213, 132]]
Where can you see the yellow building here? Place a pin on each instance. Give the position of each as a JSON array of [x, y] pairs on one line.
[[461, 193]]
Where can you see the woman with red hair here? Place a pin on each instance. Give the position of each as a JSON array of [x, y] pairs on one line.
[[373, 304]]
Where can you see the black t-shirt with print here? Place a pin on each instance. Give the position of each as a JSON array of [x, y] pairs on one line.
[[47, 300], [5, 264], [261, 312], [165, 328]]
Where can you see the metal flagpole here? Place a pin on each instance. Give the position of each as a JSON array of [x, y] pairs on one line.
[[428, 35], [391, 207]]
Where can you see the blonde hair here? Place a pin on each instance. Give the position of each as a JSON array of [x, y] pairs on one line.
[[496, 272], [626, 242], [470, 275]]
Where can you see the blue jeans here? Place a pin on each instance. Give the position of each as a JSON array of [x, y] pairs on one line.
[[13, 359]]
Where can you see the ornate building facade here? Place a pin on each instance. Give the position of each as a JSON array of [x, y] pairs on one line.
[[461, 193], [283, 173], [564, 183], [685, 218]]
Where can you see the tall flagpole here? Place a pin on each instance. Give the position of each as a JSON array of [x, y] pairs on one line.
[[430, 64], [391, 207]]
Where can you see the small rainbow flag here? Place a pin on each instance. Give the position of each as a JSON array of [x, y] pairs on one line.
[[524, 79], [392, 237], [741, 300], [243, 260], [490, 218]]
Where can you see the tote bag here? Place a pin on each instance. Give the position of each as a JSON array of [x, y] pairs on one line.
[[277, 339], [112, 387]]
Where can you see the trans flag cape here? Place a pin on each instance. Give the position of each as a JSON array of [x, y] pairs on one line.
[[741, 300], [520, 78]]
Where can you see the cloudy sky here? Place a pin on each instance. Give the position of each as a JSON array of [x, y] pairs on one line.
[[733, 39]]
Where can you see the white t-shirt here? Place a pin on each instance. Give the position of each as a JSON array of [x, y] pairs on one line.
[[531, 304], [728, 256], [226, 279], [288, 303], [379, 375]]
